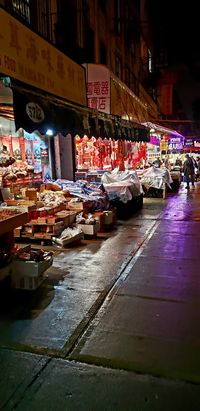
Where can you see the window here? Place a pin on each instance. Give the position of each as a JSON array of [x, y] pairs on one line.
[[150, 61], [117, 8], [102, 5], [134, 84], [103, 53], [118, 67], [22, 9], [127, 76], [89, 41]]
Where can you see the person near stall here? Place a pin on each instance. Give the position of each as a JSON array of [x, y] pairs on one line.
[[188, 170], [166, 162], [178, 163], [195, 167], [198, 168]]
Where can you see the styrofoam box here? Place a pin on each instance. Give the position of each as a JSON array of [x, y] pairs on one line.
[[69, 240], [30, 268], [24, 282], [90, 229]]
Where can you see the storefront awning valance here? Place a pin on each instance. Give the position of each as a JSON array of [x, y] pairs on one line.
[[33, 112], [163, 130], [116, 129]]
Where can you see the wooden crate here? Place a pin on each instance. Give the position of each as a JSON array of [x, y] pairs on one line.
[[12, 222]]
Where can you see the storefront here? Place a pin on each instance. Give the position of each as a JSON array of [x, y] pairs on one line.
[[40, 109], [164, 143], [118, 139], [105, 154]]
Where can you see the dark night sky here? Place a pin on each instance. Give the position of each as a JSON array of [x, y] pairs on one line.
[[177, 32]]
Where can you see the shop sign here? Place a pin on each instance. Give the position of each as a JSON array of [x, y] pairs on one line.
[[175, 146], [174, 140], [189, 143], [98, 87], [155, 140], [35, 112], [163, 145], [27, 57], [175, 143]]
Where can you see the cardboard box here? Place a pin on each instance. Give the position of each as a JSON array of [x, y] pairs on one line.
[[68, 217], [31, 193], [52, 219], [28, 230], [42, 220], [17, 231], [99, 216], [108, 217], [58, 228], [78, 206], [89, 229]]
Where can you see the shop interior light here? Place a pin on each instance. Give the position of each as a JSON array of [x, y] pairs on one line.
[[152, 130], [49, 132]]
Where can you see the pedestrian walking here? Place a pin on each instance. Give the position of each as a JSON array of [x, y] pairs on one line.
[[188, 170]]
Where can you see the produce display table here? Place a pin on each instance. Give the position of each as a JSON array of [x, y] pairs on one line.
[[9, 220], [124, 191], [155, 181]]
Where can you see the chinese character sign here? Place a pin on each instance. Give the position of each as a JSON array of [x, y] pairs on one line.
[[27, 57], [98, 87]]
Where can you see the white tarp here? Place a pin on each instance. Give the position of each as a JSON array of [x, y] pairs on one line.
[[122, 185], [156, 178]]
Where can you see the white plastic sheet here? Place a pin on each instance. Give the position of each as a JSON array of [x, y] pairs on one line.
[[122, 185], [156, 178]]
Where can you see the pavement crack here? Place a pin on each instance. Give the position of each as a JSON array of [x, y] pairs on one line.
[[16, 403]]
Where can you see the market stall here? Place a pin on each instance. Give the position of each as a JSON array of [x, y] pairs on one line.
[[155, 181], [25, 266], [9, 220], [124, 191], [96, 155]]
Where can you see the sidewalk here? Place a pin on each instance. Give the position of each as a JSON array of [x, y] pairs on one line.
[[148, 323]]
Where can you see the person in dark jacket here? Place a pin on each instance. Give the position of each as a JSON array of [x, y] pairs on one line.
[[198, 168], [188, 170]]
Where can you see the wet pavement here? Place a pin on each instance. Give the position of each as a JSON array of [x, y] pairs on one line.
[[111, 308]]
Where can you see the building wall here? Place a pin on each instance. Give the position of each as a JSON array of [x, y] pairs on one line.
[[110, 32]]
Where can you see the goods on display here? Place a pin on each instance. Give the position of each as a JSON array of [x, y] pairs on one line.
[[69, 235], [123, 186], [155, 181], [107, 154], [156, 178], [6, 161], [29, 267], [9, 219]]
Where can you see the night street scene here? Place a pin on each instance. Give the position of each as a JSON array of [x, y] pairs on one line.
[[99, 205]]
